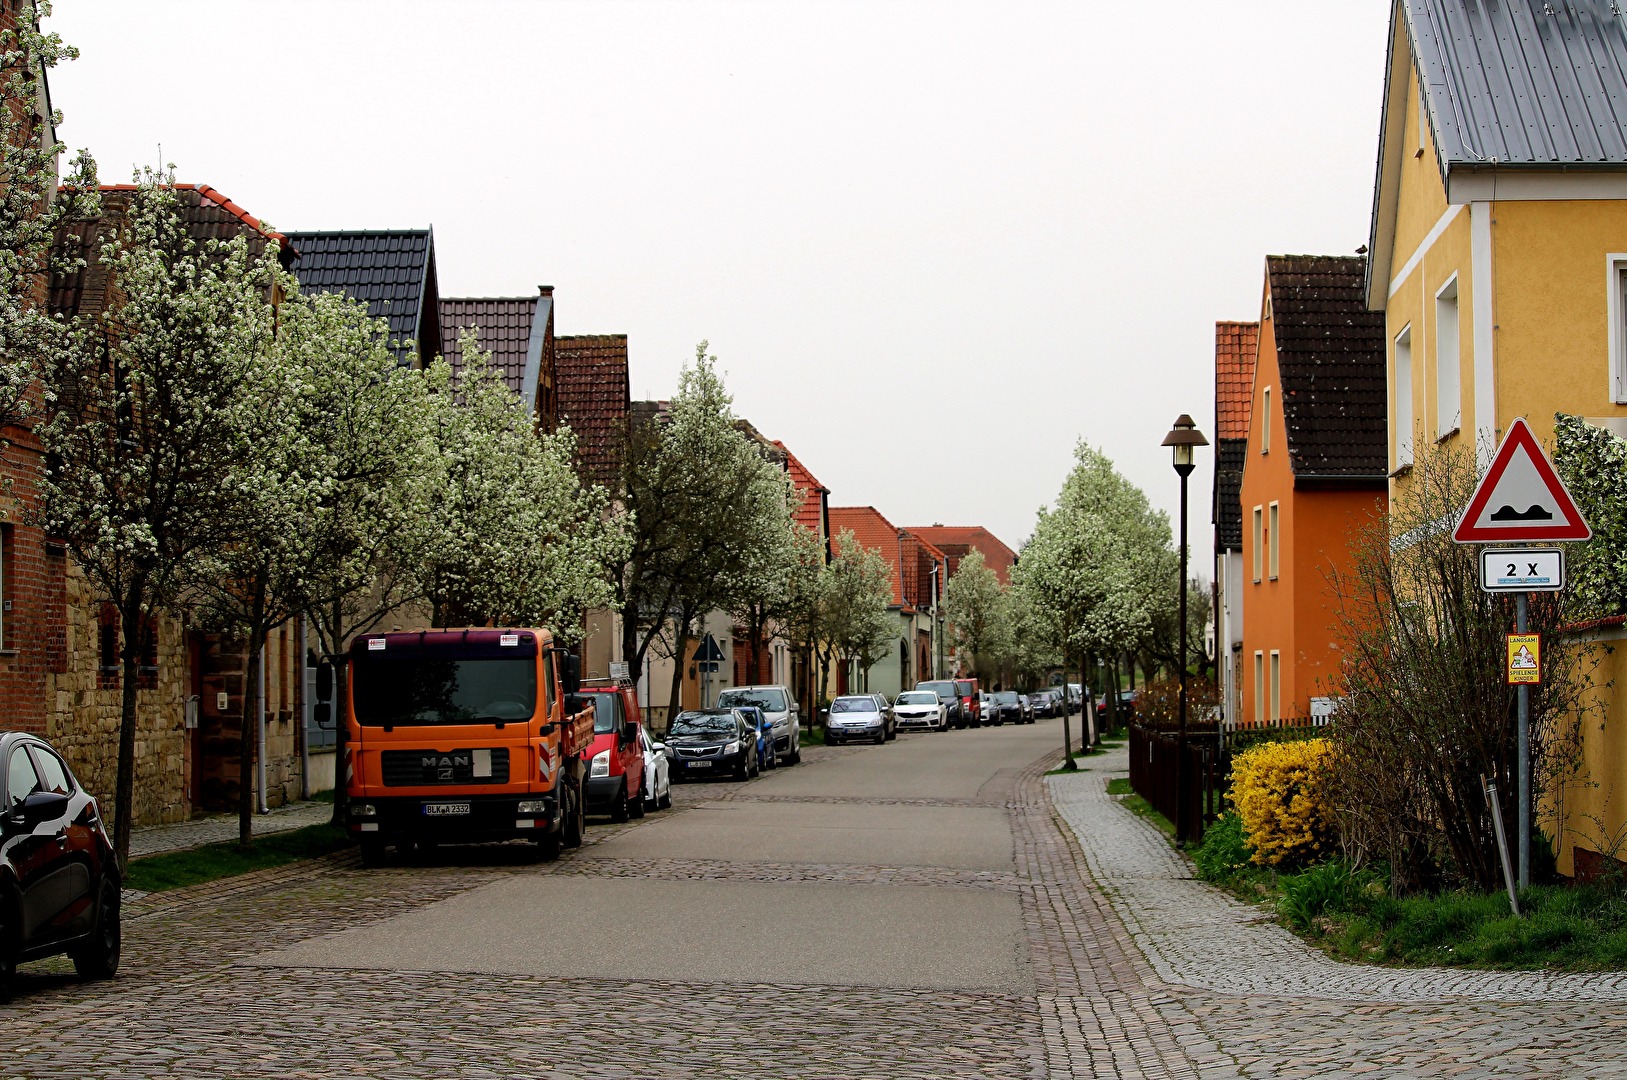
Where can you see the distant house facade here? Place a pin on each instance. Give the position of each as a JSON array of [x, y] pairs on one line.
[[1236, 348], [956, 542], [1313, 470], [1498, 260], [916, 595]]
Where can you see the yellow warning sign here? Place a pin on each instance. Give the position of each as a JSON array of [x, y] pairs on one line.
[[1524, 658]]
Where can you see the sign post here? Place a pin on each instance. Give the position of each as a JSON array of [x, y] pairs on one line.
[[1521, 499]]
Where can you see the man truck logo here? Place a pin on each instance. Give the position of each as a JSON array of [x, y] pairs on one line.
[[445, 761]]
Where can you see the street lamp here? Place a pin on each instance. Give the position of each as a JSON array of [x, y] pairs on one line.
[[1182, 439]]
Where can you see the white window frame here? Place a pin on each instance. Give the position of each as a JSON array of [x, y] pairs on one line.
[[1449, 390], [1615, 281], [1402, 409], [1259, 542], [1259, 686], [1273, 522], [1276, 686], [1265, 420]]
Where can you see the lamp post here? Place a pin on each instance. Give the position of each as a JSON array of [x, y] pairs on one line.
[[1183, 438]]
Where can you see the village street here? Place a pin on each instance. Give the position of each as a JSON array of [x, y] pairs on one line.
[[907, 910]]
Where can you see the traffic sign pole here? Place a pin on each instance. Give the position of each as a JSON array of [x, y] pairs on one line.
[[1522, 735]]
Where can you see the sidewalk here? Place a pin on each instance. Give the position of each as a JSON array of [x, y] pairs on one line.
[[219, 828], [1196, 936]]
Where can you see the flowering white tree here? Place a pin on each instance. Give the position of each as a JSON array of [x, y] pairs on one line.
[[148, 424], [977, 612], [515, 536], [857, 595], [31, 207]]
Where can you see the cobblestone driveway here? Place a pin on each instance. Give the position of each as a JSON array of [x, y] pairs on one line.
[[1144, 975]]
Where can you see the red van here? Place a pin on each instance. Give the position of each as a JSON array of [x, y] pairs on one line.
[[971, 704], [616, 772]]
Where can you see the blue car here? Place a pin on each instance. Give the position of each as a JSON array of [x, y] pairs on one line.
[[767, 757]]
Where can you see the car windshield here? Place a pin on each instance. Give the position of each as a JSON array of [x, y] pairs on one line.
[[433, 690], [704, 723], [941, 689], [606, 712], [767, 699], [917, 697], [852, 704], [1009, 697]]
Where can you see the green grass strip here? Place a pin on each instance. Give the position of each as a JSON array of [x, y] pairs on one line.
[[177, 869]]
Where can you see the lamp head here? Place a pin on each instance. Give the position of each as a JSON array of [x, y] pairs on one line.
[[1182, 439]]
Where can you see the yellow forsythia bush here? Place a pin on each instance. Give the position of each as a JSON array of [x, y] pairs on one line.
[[1279, 791]]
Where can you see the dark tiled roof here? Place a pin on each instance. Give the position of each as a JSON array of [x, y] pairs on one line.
[[504, 326], [207, 214], [392, 272], [1330, 352], [1236, 346], [1227, 512], [591, 376]]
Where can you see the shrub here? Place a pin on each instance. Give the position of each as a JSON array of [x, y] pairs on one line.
[[1224, 854], [1278, 789], [1305, 897]]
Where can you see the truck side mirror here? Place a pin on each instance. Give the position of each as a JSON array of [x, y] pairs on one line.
[[571, 673], [324, 682]]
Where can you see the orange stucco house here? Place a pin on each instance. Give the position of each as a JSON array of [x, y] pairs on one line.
[[1314, 469]]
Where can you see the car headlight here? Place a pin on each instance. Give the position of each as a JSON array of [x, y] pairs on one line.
[[601, 764], [532, 806], [732, 748], [361, 810]]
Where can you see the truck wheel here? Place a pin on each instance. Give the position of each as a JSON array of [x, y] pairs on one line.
[[635, 805], [618, 806], [372, 853], [547, 847], [571, 830]]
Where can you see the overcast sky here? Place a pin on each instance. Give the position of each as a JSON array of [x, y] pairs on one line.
[[932, 244]]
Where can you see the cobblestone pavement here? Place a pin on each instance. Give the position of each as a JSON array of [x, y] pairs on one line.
[[219, 828], [1136, 972]]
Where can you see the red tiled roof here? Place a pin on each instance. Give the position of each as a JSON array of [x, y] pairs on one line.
[[808, 513], [958, 541], [590, 371], [504, 326], [872, 531], [1236, 348], [221, 201]]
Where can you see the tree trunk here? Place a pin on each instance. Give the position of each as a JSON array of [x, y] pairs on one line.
[[130, 663], [1087, 715], [675, 693], [247, 743]]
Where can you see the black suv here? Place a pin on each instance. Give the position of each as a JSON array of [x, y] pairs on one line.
[[59, 881]]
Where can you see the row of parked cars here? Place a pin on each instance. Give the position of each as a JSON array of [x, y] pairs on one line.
[[939, 705]]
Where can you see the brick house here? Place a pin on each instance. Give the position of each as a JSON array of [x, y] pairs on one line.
[[1237, 346], [916, 594]]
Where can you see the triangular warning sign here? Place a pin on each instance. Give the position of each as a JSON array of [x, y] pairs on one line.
[[1520, 497]]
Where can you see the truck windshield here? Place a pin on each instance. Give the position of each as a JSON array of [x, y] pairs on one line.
[[606, 713], [425, 690]]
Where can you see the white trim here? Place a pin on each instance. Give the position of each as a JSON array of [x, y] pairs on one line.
[[1480, 295], [1615, 265], [1265, 420], [1548, 185], [1428, 242], [1404, 433], [1273, 523]]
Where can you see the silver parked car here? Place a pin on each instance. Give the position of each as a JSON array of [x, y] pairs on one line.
[[858, 716], [780, 708]]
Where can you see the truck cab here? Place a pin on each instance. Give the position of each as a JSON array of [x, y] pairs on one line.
[[616, 757], [465, 735]]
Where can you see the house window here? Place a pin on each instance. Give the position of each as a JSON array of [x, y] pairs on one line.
[[1276, 686], [1259, 542], [109, 645], [1259, 686], [1448, 372], [1403, 398], [1271, 532], [1616, 303], [1265, 420]]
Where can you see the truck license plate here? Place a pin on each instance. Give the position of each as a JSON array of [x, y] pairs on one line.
[[698, 764], [445, 809]]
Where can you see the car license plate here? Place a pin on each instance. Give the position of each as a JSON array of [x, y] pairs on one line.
[[698, 764], [445, 809]]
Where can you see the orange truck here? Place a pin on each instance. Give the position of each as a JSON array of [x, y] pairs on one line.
[[465, 735]]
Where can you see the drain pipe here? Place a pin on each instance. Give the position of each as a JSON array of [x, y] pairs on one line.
[[260, 752], [304, 733]]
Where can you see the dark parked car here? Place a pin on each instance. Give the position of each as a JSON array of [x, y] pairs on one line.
[[59, 881], [1043, 703], [949, 694], [706, 742], [1008, 707]]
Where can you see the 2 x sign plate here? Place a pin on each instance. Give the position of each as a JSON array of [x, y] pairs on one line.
[[1522, 569]]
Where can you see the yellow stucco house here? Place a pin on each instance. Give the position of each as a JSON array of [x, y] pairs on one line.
[[1498, 253]]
